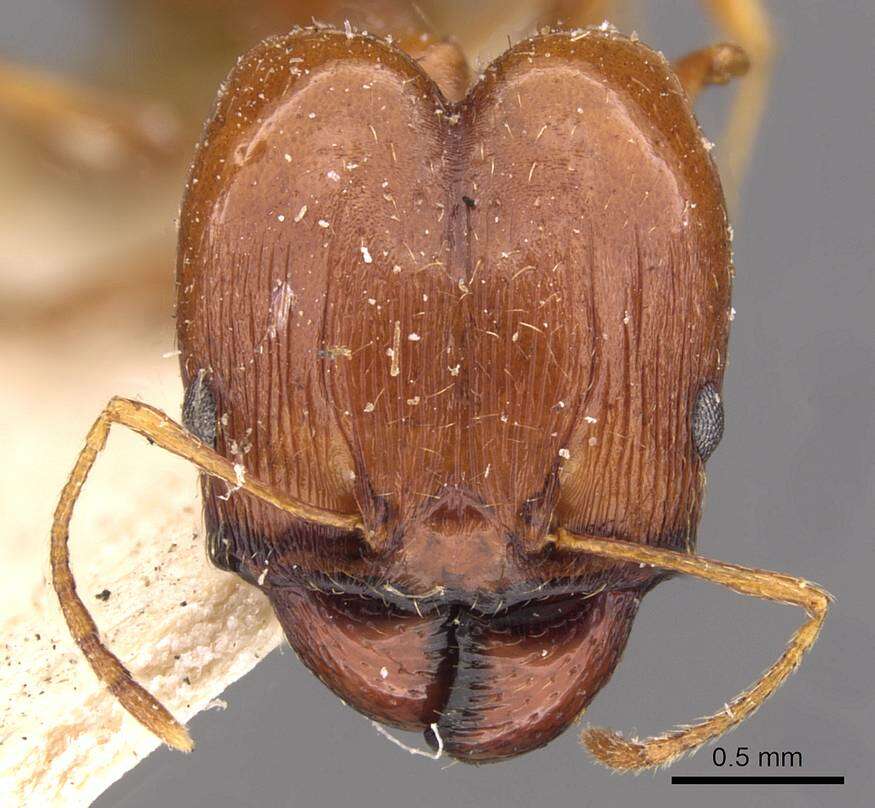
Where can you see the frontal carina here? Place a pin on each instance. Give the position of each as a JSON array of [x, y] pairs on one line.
[[452, 340]]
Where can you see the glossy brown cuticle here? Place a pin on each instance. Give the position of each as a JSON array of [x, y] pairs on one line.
[[469, 321]]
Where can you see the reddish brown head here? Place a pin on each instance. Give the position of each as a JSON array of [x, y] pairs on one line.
[[469, 322]]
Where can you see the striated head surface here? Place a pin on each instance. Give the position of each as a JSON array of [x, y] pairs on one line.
[[469, 322]]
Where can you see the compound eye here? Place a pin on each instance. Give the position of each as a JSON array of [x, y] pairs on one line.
[[199, 410], [707, 425]]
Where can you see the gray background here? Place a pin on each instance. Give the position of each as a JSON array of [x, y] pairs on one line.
[[791, 488]]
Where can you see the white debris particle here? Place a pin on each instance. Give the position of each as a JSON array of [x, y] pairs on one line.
[[396, 269], [240, 474], [170, 354], [560, 404], [217, 704], [544, 653], [454, 371], [434, 728], [323, 223], [384, 671], [394, 351], [593, 441], [281, 301], [348, 31], [369, 407], [280, 217], [731, 313], [287, 157], [413, 401], [626, 317], [335, 351], [590, 420], [414, 337], [564, 454], [333, 175], [262, 577], [311, 115], [301, 213], [372, 301], [366, 255]]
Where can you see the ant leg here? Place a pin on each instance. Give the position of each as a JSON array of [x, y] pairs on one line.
[[66, 118], [617, 753], [158, 428], [716, 64], [746, 23], [571, 14]]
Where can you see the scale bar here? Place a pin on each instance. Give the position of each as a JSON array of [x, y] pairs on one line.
[[752, 780]]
